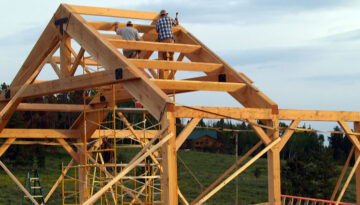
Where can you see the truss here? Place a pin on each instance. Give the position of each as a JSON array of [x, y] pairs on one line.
[[150, 82]]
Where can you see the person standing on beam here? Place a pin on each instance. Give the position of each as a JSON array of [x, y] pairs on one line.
[[165, 34], [128, 33]]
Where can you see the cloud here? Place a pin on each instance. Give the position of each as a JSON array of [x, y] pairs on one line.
[[353, 35]]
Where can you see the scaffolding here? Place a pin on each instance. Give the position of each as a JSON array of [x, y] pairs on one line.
[[141, 186]]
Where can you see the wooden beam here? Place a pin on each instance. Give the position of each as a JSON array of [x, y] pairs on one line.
[[186, 131], [348, 131], [142, 28], [318, 115], [71, 83], [109, 57], [68, 148], [263, 114], [77, 61], [39, 133], [51, 107], [6, 145], [197, 85], [288, 133], [260, 132], [65, 55], [121, 13], [154, 46], [169, 179], [13, 133], [18, 183], [175, 65]]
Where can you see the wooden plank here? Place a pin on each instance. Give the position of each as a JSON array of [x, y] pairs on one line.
[[186, 131], [18, 183], [348, 131], [176, 65], [122, 13], [39, 133], [318, 115], [6, 145], [237, 172], [154, 46], [142, 28], [198, 85], [68, 148], [264, 113], [110, 58], [71, 83], [288, 133], [51, 107], [260, 132], [13, 133]]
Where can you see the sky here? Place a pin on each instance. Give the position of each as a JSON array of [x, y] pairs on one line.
[[302, 54]]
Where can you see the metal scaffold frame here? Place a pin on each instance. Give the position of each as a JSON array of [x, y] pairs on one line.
[[152, 83]]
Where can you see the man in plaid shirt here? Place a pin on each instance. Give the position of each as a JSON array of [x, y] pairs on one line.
[[164, 28]]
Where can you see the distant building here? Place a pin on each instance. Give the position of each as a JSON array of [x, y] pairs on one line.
[[203, 140]]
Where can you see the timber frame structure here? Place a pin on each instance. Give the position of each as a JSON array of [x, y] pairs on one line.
[[150, 82]]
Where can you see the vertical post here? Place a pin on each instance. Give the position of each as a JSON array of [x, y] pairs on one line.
[[236, 159], [65, 55], [169, 160], [274, 181], [357, 173], [84, 191]]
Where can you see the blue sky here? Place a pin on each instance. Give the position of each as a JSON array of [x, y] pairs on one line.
[[302, 54]]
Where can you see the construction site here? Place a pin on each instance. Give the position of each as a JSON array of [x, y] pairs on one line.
[[87, 56]]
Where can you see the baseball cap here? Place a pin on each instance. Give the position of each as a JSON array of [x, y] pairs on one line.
[[129, 23]]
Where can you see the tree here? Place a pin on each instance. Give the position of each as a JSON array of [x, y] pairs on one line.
[[313, 176]]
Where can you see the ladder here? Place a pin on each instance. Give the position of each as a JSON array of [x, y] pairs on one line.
[[32, 182]]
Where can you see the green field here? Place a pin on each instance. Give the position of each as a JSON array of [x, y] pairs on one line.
[[206, 166]]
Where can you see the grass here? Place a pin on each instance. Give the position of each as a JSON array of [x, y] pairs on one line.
[[206, 167]]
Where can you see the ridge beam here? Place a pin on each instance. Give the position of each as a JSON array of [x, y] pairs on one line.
[[198, 85], [122, 13], [155, 46]]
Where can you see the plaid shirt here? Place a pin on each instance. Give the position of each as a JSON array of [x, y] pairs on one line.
[[164, 27]]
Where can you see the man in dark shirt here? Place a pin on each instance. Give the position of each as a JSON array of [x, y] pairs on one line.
[[164, 28]]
